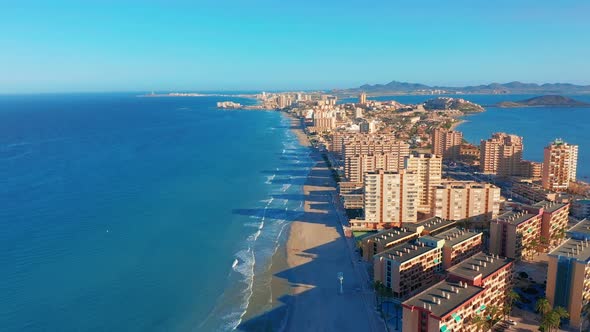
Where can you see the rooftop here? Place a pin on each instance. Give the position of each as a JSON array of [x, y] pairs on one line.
[[549, 206], [516, 217], [574, 249], [583, 227], [391, 235], [406, 252], [432, 225], [479, 264], [456, 235], [444, 297]]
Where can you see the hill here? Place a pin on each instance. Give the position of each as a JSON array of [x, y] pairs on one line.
[[396, 87], [544, 101]]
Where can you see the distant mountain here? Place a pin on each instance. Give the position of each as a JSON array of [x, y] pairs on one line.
[[395, 87], [546, 101]]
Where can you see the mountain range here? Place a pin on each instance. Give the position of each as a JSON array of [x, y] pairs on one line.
[[395, 87]]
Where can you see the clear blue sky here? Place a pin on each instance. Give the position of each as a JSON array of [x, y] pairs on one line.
[[60, 46]]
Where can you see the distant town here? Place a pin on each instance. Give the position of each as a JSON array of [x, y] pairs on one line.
[[459, 237]]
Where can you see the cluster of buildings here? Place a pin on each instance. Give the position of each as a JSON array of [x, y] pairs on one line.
[[445, 248]]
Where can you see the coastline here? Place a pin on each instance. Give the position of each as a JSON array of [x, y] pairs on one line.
[[303, 292], [457, 123]]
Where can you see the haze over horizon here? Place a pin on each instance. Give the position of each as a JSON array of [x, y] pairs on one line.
[[65, 46]]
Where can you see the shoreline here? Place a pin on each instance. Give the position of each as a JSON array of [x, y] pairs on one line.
[[303, 293]]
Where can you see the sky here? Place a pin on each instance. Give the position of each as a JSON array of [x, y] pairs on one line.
[[207, 45]]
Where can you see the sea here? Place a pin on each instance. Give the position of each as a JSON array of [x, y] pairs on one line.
[[537, 125], [127, 213]]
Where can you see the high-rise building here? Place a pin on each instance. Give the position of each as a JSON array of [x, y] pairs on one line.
[[358, 113], [391, 198], [466, 200], [362, 98], [568, 279], [446, 143], [559, 165], [324, 120], [428, 167], [501, 155], [367, 126], [410, 267], [356, 166], [374, 144]]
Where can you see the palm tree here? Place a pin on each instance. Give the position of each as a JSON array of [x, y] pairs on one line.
[[560, 312], [479, 322], [511, 297], [543, 306]]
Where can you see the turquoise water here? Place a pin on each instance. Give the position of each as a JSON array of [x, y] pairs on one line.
[[120, 213], [538, 125]]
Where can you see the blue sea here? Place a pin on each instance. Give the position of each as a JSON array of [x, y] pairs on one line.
[[538, 125], [121, 213]]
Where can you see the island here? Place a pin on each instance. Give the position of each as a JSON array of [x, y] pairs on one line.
[[544, 101]]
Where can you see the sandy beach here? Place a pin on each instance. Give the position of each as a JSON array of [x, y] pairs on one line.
[[304, 290]]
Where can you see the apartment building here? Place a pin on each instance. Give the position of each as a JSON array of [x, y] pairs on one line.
[[471, 286], [324, 120], [459, 245], [559, 165], [555, 217], [390, 198], [428, 168], [357, 165], [580, 231], [514, 233], [410, 267], [369, 144], [462, 200], [446, 143], [568, 278], [351, 194], [533, 193], [501, 155], [431, 226], [379, 242]]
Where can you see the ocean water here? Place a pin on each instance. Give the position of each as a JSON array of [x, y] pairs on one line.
[[537, 125], [120, 213]]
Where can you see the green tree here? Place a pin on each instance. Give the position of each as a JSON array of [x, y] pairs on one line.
[[479, 322]]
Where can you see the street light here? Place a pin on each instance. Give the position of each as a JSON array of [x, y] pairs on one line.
[[340, 277]]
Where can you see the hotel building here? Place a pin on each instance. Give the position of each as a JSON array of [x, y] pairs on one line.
[[377, 243], [471, 286], [568, 278], [459, 245], [559, 165], [513, 233], [408, 268], [390, 198], [428, 168], [501, 155], [446, 143], [461, 200]]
